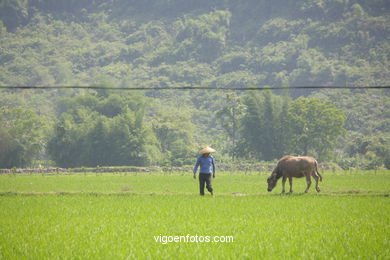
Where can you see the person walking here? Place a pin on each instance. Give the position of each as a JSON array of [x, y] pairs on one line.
[[207, 166]]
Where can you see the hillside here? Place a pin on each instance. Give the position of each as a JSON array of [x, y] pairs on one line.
[[218, 44]]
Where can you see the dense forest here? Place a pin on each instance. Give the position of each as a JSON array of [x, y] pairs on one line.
[[175, 43]]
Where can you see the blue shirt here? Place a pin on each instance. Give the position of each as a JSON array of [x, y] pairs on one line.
[[206, 165]]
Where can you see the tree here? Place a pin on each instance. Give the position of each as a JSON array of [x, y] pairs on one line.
[[203, 39], [13, 12], [21, 137], [314, 127], [250, 144], [174, 130], [261, 125], [282, 127], [103, 130], [229, 117], [269, 126]]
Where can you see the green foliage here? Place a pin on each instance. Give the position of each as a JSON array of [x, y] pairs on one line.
[[339, 44], [22, 134], [99, 130], [174, 130], [175, 43], [367, 124], [260, 127], [13, 12], [315, 126], [305, 126], [229, 118], [374, 151]]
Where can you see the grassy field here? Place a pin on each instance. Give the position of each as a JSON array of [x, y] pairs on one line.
[[117, 217]]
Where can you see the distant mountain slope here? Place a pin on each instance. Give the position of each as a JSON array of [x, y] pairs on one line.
[[218, 43]]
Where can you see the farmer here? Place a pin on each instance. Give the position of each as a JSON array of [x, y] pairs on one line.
[[207, 166]]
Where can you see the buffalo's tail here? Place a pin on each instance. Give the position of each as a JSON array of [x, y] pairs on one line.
[[318, 171]]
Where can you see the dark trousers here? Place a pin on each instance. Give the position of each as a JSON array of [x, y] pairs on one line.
[[205, 178]]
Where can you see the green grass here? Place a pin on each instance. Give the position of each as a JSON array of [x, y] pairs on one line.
[[181, 183], [117, 217]]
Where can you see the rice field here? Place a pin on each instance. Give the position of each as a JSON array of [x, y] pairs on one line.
[[112, 216]]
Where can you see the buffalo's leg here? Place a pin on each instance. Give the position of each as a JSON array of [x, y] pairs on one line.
[[290, 181], [284, 184], [315, 176], [308, 180]]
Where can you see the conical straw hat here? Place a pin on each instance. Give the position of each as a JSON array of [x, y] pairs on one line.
[[207, 150]]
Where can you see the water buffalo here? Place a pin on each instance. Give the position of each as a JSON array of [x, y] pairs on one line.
[[292, 166]]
